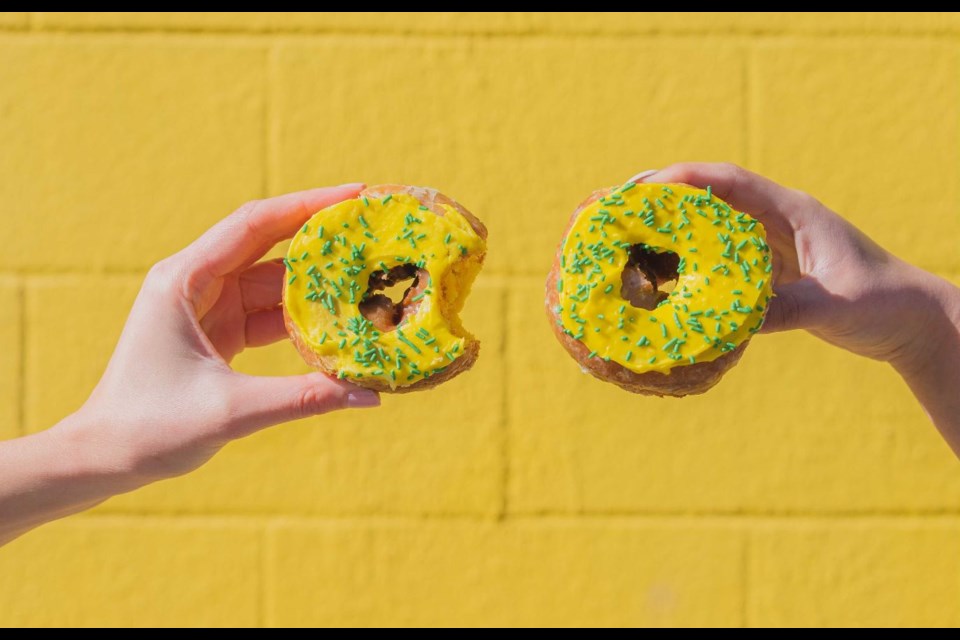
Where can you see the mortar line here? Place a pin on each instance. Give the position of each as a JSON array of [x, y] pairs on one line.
[[21, 410], [745, 580], [505, 458], [747, 107], [945, 35], [269, 109], [264, 559], [543, 516]]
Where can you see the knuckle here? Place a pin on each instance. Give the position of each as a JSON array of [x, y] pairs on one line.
[[313, 399], [162, 278], [731, 168], [805, 199], [788, 312], [247, 208], [735, 175]]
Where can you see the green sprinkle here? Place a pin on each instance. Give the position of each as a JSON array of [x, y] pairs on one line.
[[608, 288], [629, 356], [424, 208], [363, 222], [407, 342], [387, 199], [306, 228], [663, 330], [592, 354], [292, 278], [446, 239], [652, 360], [366, 202]]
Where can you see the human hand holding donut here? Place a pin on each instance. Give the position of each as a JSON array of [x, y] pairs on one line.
[[169, 400], [835, 282]]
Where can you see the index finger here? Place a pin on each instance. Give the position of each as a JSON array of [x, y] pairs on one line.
[[744, 190], [247, 234]]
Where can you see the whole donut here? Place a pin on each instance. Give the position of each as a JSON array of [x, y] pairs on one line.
[[344, 260], [658, 288]]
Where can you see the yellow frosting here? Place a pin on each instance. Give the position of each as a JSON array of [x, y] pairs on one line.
[[329, 266], [721, 294]]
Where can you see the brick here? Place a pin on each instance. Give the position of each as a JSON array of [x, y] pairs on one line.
[[453, 22], [66, 357], [866, 573], [520, 148], [92, 573], [872, 137], [431, 452], [119, 153], [13, 19], [527, 573], [772, 437], [10, 362]]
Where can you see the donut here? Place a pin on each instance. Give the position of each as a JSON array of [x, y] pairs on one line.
[[658, 288], [342, 266]]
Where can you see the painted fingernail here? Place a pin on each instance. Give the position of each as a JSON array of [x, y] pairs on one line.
[[363, 399], [353, 185], [640, 177]]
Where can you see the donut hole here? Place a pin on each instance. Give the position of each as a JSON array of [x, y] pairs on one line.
[[391, 295], [649, 276]]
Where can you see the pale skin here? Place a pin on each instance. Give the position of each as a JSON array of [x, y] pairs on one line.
[[838, 284], [169, 401]]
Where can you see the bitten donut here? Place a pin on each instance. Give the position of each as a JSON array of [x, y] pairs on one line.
[[658, 288], [344, 263]]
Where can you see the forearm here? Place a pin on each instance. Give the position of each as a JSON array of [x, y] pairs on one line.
[[933, 374], [53, 474]]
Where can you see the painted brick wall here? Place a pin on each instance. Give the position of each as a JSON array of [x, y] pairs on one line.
[[808, 488]]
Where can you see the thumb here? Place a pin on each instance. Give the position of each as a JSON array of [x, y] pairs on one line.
[[266, 401], [793, 306]]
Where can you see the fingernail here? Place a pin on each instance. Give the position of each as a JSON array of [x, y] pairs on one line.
[[363, 399], [640, 177], [353, 185]]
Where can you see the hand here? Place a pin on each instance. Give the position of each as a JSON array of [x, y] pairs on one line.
[[832, 280], [829, 278], [169, 400]]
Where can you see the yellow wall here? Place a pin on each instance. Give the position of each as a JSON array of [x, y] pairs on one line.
[[523, 492]]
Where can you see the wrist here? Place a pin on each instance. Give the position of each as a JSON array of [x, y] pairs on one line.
[[935, 332], [85, 454]]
